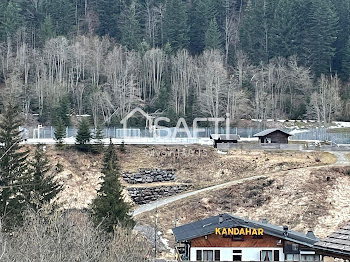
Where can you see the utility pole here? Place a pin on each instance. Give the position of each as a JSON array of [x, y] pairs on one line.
[[155, 234]]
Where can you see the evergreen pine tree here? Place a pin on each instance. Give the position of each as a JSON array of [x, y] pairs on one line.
[[47, 30], [43, 187], [60, 132], [3, 5], [109, 207], [342, 8], [322, 36], [253, 38], [98, 137], [14, 173], [108, 13], [11, 19], [63, 111], [130, 28], [175, 24], [346, 61], [83, 136], [62, 14], [198, 25], [213, 36], [284, 30]]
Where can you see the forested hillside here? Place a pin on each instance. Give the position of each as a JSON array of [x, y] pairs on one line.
[[193, 58]]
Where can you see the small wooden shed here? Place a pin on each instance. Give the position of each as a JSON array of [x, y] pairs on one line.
[[274, 136], [224, 138]]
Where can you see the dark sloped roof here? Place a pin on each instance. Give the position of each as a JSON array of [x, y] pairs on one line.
[[225, 137], [207, 226], [338, 242], [270, 131]]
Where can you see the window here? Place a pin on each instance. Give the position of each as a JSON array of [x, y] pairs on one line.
[[199, 255], [217, 255], [237, 255], [292, 257], [306, 258], [295, 247], [276, 255], [291, 248], [208, 255], [266, 255]]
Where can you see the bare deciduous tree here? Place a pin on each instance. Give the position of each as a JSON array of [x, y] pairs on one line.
[[69, 236]]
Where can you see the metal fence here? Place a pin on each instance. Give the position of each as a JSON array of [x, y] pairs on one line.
[[320, 134]]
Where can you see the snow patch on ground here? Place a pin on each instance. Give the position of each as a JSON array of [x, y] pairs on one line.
[[341, 125], [298, 131], [222, 152]]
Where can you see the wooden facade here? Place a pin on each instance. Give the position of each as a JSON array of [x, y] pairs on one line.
[[273, 136], [247, 241], [210, 239]]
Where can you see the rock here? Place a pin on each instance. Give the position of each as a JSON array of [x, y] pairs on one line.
[[149, 176], [146, 195]]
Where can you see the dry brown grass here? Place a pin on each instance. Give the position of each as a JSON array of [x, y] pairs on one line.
[[196, 165]]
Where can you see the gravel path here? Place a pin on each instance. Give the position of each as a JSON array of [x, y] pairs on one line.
[[165, 201], [342, 159]]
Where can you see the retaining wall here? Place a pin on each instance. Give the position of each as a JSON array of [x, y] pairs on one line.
[[150, 176], [144, 195]]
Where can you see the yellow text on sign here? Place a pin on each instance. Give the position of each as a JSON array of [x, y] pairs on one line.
[[239, 231]]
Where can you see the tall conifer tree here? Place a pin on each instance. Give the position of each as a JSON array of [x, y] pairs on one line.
[[175, 24], [43, 186], [213, 37], [323, 34], [109, 206], [84, 136], [130, 28], [14, 172], [60, 131]]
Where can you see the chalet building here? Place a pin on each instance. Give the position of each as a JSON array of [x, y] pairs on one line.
[[337, 245], [275, 136], [224, 139], [231, 238]]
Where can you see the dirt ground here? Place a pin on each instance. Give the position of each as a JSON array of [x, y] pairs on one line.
[[203, 166], [199, 166], [315, 199]]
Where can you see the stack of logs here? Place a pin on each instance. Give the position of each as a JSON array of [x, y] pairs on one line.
[[144, 195]]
